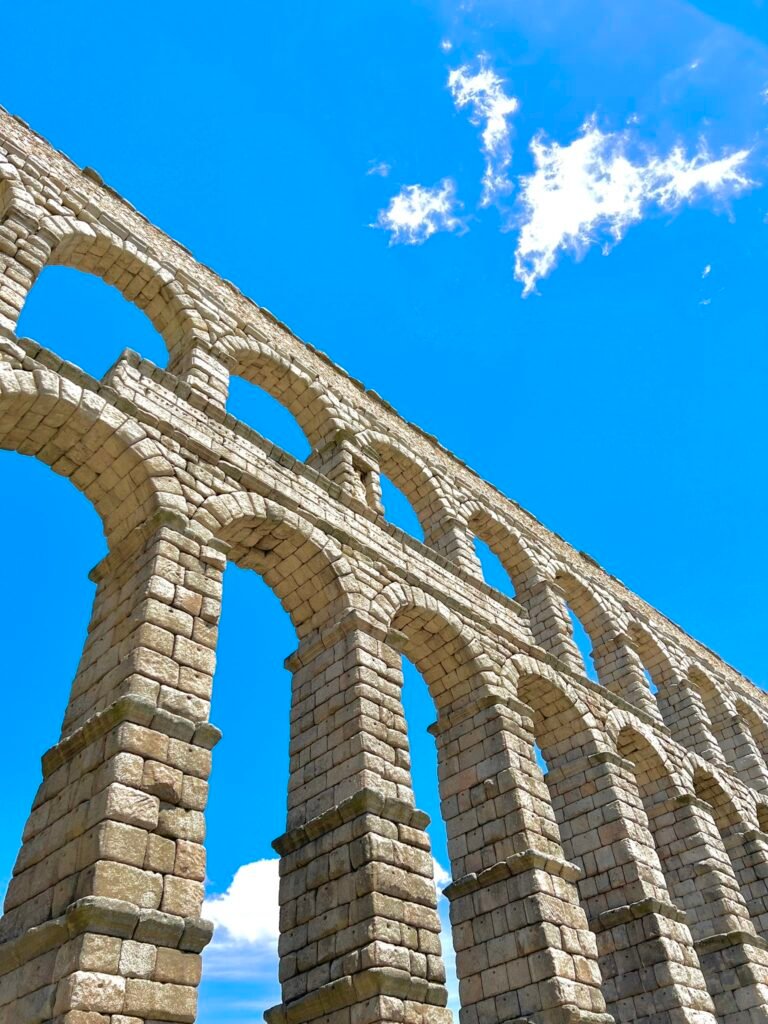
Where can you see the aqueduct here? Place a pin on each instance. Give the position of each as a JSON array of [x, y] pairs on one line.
[[628, 884]]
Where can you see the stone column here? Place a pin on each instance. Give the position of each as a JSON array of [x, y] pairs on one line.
[[700, 876], [621, 671], [360, 934], [551, 624], [342, 462], [102, 915], [207, 372], [748, 851], [523, 948], [649, 965], [686, 717], [449, 536]]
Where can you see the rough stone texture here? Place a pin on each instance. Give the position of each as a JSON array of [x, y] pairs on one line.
[[628, 884]]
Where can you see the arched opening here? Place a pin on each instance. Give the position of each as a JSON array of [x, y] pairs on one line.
[[592, 627], [398, 510], [251, 705], [730, 743], [656, 668], [503, 557], [419, 716], [53, 537], [494, 571], [583, 642], [280, 401], [402, 478], [724, 811], [762, 817], [86, 321], [255, 406]]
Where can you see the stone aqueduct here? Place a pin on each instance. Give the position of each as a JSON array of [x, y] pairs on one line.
[[629, 884]]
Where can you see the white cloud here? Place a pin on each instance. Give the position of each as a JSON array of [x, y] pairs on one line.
[[380, 168], [591, 191], [707, 270], [248, 911], [490, 106], [416, 213]]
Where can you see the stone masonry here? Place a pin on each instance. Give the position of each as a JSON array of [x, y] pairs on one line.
[[628, 884]]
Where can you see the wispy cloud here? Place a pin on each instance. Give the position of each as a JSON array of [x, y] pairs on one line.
[[379, 168], [416, 213], [591, 191], [490, 106]]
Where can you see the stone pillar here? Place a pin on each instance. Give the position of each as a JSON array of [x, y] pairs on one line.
[[523, 948], [449, 536], [341, 461], [700, 876], [748, 851], [102, 915], [359, 930], [207, 372], [551, 624], [621, 671], [685, 715], [649, 965]]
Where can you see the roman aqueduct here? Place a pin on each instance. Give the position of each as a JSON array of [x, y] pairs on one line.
[[629, 884]]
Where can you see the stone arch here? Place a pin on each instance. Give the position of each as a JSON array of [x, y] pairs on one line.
[[107, 456], [592, 610], [654, 657], [289, 383], [734, 740], [451, 660], [564, 726], [304, 567], [127, 265], [654, 773], [413, 477], [512, 550], [708, 788], [717, 704]]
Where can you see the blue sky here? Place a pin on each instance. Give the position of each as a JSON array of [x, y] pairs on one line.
[[321, 156]]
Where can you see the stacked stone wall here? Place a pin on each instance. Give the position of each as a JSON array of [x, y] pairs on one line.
[[625, 884]]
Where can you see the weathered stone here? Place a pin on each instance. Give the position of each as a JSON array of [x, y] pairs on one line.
[[633, 877]]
